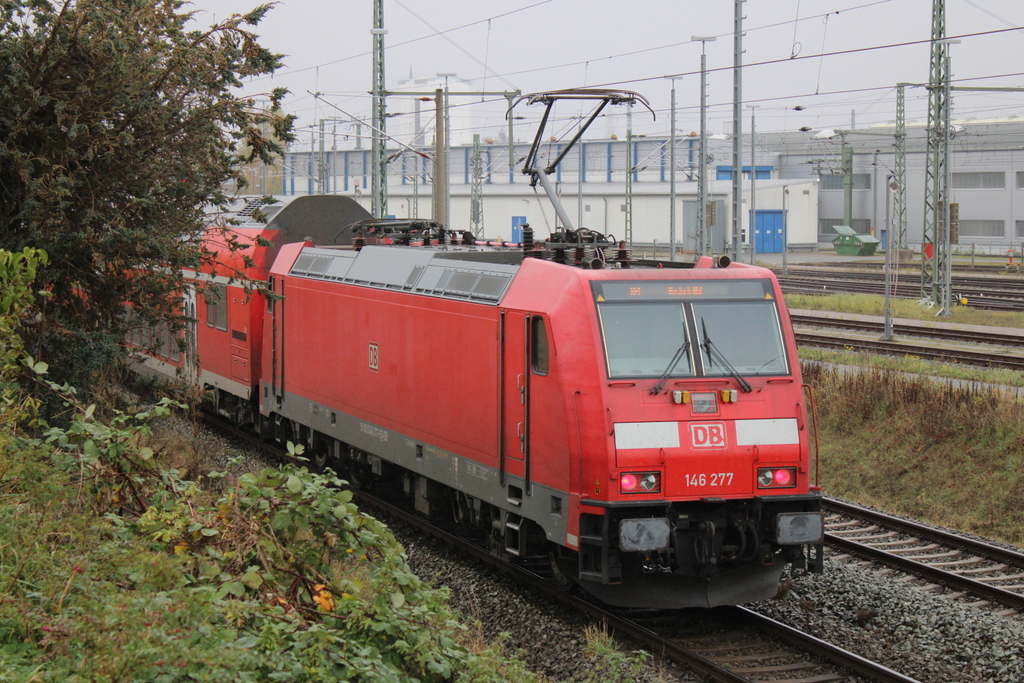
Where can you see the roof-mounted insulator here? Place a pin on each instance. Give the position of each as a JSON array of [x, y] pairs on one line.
[[622, 257], [527, 240]]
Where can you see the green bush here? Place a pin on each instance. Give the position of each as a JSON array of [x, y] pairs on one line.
[[112, 572]]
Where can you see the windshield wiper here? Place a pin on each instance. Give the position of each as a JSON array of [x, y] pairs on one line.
[[716, 356], [680, 352]]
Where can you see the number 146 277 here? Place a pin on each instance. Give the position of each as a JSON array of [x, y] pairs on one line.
[[712, 479]]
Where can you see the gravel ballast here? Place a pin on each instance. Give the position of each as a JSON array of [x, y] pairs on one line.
[[924, 634]]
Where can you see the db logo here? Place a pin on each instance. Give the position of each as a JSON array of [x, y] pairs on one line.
[[374, 356], [707, 434]]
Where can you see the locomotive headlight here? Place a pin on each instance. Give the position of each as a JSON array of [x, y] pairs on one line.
[[640, 482], [776, 477]]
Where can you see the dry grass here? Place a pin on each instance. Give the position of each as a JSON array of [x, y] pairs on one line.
[[951, 455]]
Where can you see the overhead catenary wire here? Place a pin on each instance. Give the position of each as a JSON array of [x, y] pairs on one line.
[[444, 34], [793, 22], [814, 56], [796, 96], [288, 72], [645, 50]]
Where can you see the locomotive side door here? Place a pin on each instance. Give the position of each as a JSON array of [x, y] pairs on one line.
[[275, 305], [515, 395]]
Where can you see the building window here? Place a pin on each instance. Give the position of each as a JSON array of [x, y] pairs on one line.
[[983, 228], [834, 181], [725, 173], [1020, 228], [980, 180], [1020, 180]]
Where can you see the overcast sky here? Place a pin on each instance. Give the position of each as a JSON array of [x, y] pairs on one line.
[[538, 45]]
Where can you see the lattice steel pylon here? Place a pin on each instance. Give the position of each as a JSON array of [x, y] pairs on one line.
[[935, 190], [378, 153], [901, 167]]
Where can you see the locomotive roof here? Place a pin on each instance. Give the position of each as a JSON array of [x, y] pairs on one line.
[[481, 276]]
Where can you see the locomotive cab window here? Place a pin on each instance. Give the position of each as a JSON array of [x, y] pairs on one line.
[[746, 333], [643, 340], [539, 345], [687, 328]]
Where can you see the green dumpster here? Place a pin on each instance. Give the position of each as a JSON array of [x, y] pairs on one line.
[[849, 243]]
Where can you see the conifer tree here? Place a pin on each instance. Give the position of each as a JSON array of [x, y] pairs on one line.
[[120, 126]]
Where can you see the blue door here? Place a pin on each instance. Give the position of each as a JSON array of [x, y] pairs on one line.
[[770, 232], [517, 229]]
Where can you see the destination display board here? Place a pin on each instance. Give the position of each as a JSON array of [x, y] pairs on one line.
[[662, 290]]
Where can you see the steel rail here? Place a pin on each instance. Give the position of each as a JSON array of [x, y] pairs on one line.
[[910, 330], [821, 648], [934, 574], [975, 297], [1005, 301], [978, 358], [1006, 284]]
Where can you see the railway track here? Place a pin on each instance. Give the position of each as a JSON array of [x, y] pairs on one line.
[[990, 336], [912, 278], [732, 645], [989, 359], [1006, 298], [959, 268], [964, 565], [918, 339]]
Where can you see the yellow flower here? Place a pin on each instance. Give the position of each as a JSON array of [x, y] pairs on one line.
[[323, 598]]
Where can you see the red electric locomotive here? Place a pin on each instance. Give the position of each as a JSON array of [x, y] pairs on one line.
[[645, 427]]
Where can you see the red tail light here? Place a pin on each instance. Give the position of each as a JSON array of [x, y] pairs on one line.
[[640, 482], [776, 478]]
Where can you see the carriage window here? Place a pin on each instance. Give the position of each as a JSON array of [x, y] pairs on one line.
[[217, 307], [539, 341]]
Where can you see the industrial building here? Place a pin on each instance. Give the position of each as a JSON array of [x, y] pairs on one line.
[[798, 181]]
